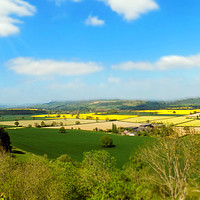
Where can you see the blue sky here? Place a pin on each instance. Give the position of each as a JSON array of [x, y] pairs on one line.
[[55, 50]]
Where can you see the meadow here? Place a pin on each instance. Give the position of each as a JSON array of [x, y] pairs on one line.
[[41, 141]]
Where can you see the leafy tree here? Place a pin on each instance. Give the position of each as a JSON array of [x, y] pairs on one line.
[[29, 126], [16, 123], [106, 141], [114, 128], [77, 122], [174, 165], [5, 140], [43, 124], [62, 130]]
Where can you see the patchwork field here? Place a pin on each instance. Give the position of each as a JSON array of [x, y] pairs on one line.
[[98, 116], [144, 119], [66, 122], [175, 120], [193, 123], [171, 112], [73, 142], [100, 125]]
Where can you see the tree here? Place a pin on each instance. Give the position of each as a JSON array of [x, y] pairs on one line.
[[106, 141], [5, 143], [16, 123], [62, 129], [77, 122], [43, 124], [174, 164], [114, 128]]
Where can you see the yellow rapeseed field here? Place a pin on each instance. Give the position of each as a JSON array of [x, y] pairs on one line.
[[171, 112], [192, 123], [85, 116]]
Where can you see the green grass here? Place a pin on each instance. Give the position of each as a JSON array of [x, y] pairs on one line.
[[73, 142]]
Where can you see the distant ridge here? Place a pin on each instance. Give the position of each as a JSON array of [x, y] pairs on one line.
[[92, 105]]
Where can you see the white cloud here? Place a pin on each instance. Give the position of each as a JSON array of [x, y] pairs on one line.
[[164, 63], [114, 80], [59, 2], [94, 21], [131, 9], [30, 66], [9, 10], [70, 85]]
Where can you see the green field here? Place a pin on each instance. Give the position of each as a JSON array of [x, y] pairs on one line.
[[73, 142]]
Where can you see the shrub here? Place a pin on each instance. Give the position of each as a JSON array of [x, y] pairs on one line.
[[106, 141], [62, 129], [77, 122], [29, 126], [64, 158], [17, 123]]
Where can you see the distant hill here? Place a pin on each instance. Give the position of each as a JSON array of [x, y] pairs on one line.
[[105, 105], [186, 102]]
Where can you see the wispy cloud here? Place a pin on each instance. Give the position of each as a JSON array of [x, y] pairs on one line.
[[114, 80], [59, 2], [94, 21], [9, 11], [164, 63], [31, 66], [131, 9]]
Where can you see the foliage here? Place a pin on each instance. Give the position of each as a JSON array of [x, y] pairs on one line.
[[43, 124], [16, 123], [106, 141], [77, 122], [62, 130], [114, 128], [97, 177], [174, 164], [5, 144], [74, 143]]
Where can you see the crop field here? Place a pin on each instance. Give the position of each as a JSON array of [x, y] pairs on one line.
[[100, 125], [66, 122], [170, 112], [93, 116], [14, 117], [174, 120], [73, 142], [144, 119], [193, 123]]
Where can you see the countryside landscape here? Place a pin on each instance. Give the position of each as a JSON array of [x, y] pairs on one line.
[[100, 100], [71, 137]]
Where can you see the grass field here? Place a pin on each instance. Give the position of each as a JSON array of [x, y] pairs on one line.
[[73, 142]]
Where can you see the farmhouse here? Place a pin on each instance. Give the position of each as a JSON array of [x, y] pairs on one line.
[[132, 131]]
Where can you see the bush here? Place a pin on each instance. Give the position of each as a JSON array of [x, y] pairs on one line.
[[106, 141], [17, 123], [62, 130], [77, 122]]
